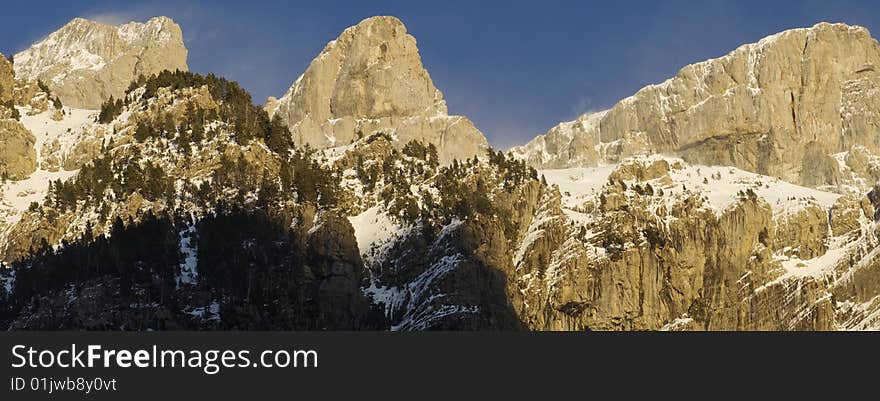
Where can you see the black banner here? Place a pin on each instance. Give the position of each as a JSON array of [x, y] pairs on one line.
[[372, 365]]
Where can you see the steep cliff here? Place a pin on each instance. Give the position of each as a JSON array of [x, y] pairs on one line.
[[17, 156], [181, 205], [7, 80], [371, 79], [788, 106]]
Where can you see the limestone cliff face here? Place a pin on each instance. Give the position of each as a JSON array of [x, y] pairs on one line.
[[779, 107], [7, 79], [371, 79], [650, 257], [18, 159], [641, 243], [86, 62]]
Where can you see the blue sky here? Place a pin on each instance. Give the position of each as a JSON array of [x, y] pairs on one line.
[[516, 68]]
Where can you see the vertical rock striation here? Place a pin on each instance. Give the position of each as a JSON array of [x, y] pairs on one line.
[[781, 107], [372, 79]]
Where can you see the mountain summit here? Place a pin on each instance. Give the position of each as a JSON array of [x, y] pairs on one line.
[[782, 107], [86, 62], [372, 79]]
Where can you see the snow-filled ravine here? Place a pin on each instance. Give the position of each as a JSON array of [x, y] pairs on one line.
[[18, 195]]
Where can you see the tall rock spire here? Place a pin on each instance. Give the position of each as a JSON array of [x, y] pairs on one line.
[[372, 79]]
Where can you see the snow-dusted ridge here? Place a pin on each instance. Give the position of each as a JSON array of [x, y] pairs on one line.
[[72, 46], [721, 185]]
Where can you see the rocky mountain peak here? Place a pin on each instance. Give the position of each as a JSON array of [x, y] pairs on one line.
[[372, 79], [781, 107], [181, 205], [85, 62]]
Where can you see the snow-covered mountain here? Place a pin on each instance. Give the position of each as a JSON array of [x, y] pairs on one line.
[[182, 205], [799, 105], [85, 62], [368, 80]]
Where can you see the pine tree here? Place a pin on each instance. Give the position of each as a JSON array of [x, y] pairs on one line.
[[142, 132], [168, 125], [43, 87], [278, 137], [110, 110]]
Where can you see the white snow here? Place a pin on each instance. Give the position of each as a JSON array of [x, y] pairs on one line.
[[797, 268], [722, 192], [678, 324], [450, 228], [188, 269], [375, 232], [578, 184], [18, 195], [561, 136], [333, 154], [389, 297], [210, 312], [721, 185], [60, 48], [134, 31], [7, 279], [420, 310], [70, 47], [533, 233], [865, 316]]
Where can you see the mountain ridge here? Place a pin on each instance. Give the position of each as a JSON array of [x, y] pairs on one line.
[[85, 62], [745, 109], [182, 205]]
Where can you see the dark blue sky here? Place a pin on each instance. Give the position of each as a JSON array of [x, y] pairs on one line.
[[515, 68]]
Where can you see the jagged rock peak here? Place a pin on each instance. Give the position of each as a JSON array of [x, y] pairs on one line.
[[782, 107], [372, 79], [85, 62]]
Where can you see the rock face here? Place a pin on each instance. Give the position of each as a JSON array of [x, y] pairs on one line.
[[7, 79], [210, 229], [779, 107], [372, 79], [86, 62], [18, 159]]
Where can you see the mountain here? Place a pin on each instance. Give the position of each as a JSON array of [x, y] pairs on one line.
[[372, 79], [181, 204], [86, 62], [800, 105]]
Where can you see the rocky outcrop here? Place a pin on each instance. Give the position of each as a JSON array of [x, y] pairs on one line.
[[7, 88], [18, 158], [803, 233], [371, 79], [779, 107], [7, 80], [648, 259], [86, 62]]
